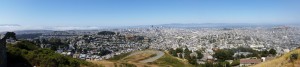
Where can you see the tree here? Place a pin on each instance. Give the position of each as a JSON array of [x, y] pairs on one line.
[[223, 55], [26, 45], [3, 52], [226, 64], [192, 60], [264, 53], [222, 64], [173, 52], [209, 64], [235, 63], [179, 50], [104, 52], [200, 55], [10, 34], [187, 53], [56, 43], [272, 51], [254, 54], [26, 54], [242, 56]]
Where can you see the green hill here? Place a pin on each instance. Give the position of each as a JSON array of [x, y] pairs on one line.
[[285, 60], [169, 61], [27, 54]]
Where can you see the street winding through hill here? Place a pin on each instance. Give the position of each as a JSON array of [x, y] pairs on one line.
[[157, 56], [151, 59]]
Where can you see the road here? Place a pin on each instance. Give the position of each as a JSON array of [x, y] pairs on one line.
[[158, 55]]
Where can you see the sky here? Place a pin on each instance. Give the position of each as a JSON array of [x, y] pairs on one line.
[[45, 13]]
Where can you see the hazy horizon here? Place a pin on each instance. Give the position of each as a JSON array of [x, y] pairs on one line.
[[149, 33]]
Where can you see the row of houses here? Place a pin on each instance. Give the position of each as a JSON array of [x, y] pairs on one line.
[[253, 61], [94, 57]]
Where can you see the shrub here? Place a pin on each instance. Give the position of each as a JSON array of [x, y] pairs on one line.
[[294, 57]]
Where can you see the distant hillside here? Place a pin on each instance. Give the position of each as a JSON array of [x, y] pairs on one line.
[[216, 25], [283, 61], [28, 54]]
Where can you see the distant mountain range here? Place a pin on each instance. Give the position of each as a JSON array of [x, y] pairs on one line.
[[15, 27], [208, 25], [1, 25], [224, 25]]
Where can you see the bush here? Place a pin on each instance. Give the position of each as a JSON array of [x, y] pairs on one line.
[[127, 65], [26, 45], [167, 60], [200, 55], [294, 57], [223, 55], [235, 63], [272, 51], [173, 52]]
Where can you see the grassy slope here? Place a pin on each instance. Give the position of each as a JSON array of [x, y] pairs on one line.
[[119, 57], [126, 59], [28, 54], [168, 60], [282, 61]]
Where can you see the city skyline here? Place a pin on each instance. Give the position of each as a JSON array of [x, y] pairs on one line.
[[149, 33]]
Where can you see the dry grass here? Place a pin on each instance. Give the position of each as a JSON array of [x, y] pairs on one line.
[[166, 61], [282, 61], [169, 61], [104, 63], [138, 57], [130, 59]]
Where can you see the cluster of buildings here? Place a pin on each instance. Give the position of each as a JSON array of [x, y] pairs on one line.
[[281, 39], [96, 46], [88, 44]]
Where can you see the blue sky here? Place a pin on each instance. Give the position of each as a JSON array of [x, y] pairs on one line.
[[146, 12]]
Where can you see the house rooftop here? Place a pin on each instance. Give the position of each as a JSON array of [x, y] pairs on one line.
[[250, 61]]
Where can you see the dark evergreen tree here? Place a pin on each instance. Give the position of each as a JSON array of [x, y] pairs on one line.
[[199, 53], [223, 55], [272, 51]]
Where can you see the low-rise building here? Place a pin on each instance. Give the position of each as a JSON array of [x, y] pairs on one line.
[[248, 62]]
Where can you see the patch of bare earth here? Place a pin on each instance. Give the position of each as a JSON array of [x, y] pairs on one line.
[[104, 63]]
